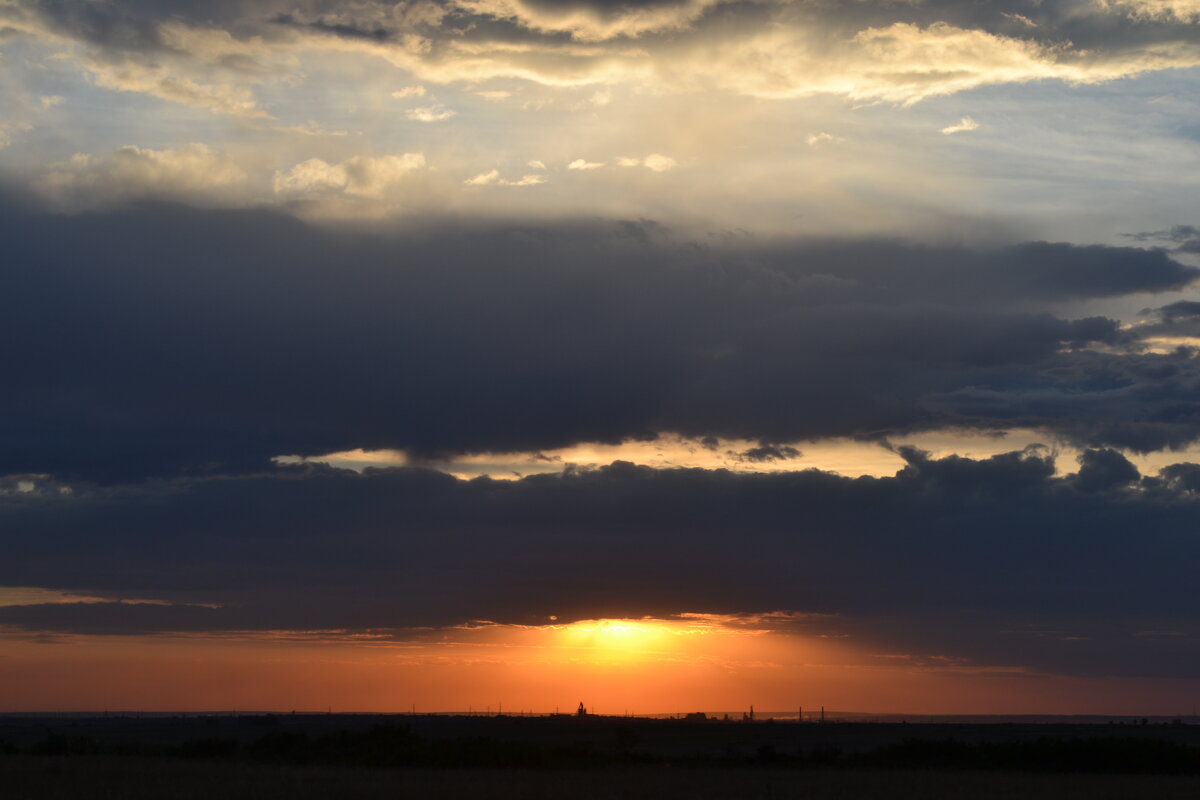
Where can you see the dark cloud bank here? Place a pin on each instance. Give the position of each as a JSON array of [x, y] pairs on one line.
[[996, 560], [160, 341], [157, 357], [132, 25]]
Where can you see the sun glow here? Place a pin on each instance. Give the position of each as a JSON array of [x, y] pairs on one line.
[[679, 664], [624, 640]]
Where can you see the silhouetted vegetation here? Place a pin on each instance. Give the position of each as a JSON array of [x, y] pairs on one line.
[[398, 746]]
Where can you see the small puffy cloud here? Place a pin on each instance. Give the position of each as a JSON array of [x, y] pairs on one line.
[[815, 139], [430, 114], [494, 95], [583, 164], [8, 130], [360, 176], [535, 164], [409, 91], [963, 125], [193, 171], [311, 177], [526, 180], [492, 178], [372, 177], [49, 101], [484, 178], [655, 162], [658, 162]]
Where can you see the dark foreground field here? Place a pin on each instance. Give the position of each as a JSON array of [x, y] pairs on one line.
[[361, 756], [137, 778]]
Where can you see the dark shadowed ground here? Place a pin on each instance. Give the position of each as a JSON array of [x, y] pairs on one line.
[[136, 778], [300, 756]]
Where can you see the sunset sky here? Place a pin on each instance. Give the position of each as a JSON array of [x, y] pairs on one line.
[[661, 354]]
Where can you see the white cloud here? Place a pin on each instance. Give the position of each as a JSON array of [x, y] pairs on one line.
[[492, 178], [1021, 18], [594, 23], [535, 164], [313, 176], [484, 178], [782, 51], [10, 129], [787, 57], [203, 67], [49, 101], [430, 114], [582, 164], [526, 180], [815, 139], [360, 176], [963, 125], [192, 171], [655, 162], [409, 91], [906, 63], [159, 81]]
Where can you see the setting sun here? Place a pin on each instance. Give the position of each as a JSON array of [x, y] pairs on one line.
[[624, 640]]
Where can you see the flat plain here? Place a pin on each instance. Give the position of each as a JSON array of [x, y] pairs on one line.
[[266, 756], [135, 778]]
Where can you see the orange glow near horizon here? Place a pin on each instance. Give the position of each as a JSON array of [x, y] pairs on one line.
[[615, 666], [639, 641]]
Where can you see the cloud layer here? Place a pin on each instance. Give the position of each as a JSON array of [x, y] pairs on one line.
[[898, 52], [994, 561], [193, 340]]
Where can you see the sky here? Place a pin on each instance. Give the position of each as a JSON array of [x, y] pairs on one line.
[[663, 354]]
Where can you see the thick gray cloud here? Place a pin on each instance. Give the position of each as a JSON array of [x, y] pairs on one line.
[[995, 560], [160, 340], [1104, 470], [156, 357], [1184, 238], [1083, 23], [217, 55]]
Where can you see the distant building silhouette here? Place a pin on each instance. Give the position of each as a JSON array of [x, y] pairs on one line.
[[581, 711]]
